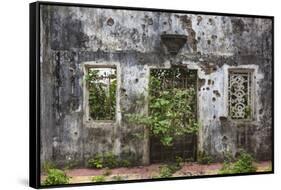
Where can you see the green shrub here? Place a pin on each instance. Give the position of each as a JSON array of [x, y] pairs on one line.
[[98, 178], [95, 162], [107, 160], [170, 169], [55, 177], [226, 168], [244, 164], [204, 158], [228, 157], [110, 160], [165, 171]]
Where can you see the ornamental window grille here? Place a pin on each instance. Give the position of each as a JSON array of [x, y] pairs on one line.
[[240, 94], [101, 84]]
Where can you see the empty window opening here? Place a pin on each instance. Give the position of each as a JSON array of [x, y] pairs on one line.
[[101, 83], [240, 94]]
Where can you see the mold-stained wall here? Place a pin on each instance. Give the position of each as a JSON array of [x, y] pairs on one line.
[[73, 37]]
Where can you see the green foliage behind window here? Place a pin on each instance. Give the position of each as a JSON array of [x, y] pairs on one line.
[[102, 93], [171, 111]]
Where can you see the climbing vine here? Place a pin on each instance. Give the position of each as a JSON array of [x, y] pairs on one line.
[[171, 112]]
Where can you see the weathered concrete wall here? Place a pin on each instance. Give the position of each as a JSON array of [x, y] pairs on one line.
[[73, 37]]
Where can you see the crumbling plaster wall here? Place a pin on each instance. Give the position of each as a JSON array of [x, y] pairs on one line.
[[72, 38]]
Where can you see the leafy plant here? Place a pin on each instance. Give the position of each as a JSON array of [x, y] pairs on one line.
[[55, 177], [228, 157], [98, 178], [204, 158], [165, 172], [171, 112], [96, 162], [108, 160], [169, 169], [244, 164], [227, 168]]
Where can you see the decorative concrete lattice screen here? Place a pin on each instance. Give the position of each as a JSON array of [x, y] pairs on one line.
[[102, 93], [240, 94]]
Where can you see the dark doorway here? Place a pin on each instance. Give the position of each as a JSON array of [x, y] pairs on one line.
[[185, 145]]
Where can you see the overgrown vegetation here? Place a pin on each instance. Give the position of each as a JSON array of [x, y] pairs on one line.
[[244, 164], [107, 160], [166, 171], [98, 178], [171, 109], [204, 158], [102, 94], [169, 169], [55, 177], [228, 157]]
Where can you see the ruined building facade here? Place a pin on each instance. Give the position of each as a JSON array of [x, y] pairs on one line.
[[222, 50]]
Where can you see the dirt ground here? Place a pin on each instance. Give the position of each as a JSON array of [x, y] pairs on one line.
[[84, 175]]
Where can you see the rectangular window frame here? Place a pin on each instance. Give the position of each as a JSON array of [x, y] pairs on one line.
[[194, 137], [87, 118]]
